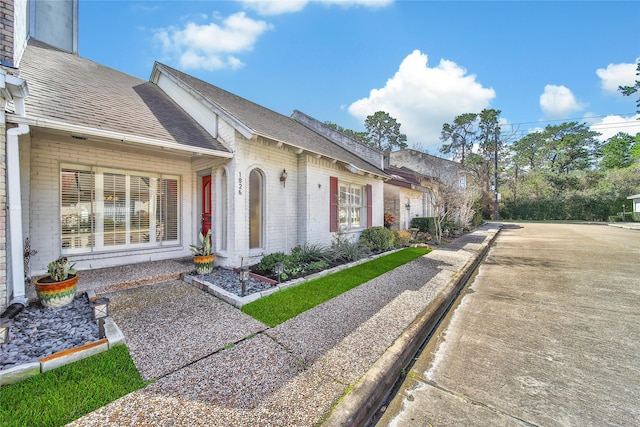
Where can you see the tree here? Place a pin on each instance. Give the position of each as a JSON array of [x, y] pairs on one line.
[[569, 147], [634, 151], [383, 132], [461, 134], [358, 136], [472, 139], [615, 152], [452, 203], [630, 90], [528, 150]]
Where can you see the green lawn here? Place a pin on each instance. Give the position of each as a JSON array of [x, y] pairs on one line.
[[62, 395], [288, 303]]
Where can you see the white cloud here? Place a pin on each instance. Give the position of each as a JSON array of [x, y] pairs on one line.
[[611, 125], [559, 102], [211, 46], [279, 7], [422, 99], [374, 4], [274, 7], [616, 75]]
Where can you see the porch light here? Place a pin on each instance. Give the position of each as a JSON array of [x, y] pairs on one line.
[[5, 324], [100, 307], [244, 276], [283, 177], [279, 269], [408, 206]]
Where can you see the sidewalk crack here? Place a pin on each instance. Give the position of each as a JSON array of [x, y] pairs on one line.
[[475, 402]]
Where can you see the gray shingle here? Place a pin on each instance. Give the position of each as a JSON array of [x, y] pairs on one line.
[[75, 90], [270, 124]]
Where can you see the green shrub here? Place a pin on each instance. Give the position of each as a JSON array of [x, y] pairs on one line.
[[424, 224], [626, 216], [636, 217], [268, 262], [377, 238], [402, 238], [575, 207], [318, 265], [310, 252], [344, 250]]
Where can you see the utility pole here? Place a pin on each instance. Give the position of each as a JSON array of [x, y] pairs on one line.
[[496, 212]]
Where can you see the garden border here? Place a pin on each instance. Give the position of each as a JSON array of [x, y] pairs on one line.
[[113, 337], [238, 301]]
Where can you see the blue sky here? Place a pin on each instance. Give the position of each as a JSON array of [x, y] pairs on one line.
[[423, 62]]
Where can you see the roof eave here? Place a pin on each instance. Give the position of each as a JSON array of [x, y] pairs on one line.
[[238, 125], [299, 150], [87, 132]]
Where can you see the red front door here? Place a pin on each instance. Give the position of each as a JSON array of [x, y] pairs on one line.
[[206, 204]]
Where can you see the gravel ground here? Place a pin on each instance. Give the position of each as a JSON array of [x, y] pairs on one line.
[[340, 316], [172, 324], [290, 375], [38, 332], [230, 281]]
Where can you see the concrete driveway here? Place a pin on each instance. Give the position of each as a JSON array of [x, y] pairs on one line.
[[548, 334]]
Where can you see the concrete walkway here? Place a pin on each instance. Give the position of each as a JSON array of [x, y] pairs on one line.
[[107, 279], [214, 366], [549, 335]]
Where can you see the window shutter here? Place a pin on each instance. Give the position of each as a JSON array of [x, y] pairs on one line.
[[333, 203], [369, 206]]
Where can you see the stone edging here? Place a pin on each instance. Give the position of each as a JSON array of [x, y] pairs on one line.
[[113, 337], [359, 405], [238, 301]]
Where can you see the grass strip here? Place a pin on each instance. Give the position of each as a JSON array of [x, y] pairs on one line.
[[288, 303], [62, 395]]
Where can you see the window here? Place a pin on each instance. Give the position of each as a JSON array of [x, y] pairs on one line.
[[350, 205], [256, 209], [105, 210]]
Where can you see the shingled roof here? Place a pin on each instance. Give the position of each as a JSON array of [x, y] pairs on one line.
[[269, 124], [67, 88]]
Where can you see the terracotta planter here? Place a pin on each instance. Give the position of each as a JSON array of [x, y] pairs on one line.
[[204, 263], [56, 294]]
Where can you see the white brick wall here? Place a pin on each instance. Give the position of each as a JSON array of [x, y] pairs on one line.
[[3, 219], [43, 209], [318, 171], [295, 213], [281, 201]]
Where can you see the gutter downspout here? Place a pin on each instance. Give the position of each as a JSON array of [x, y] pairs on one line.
[[14, 214]]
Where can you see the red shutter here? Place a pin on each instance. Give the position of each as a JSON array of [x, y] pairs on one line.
[[333, 203], [369, 207]]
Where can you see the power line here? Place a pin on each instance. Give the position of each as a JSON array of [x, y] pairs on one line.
[[577, 119]]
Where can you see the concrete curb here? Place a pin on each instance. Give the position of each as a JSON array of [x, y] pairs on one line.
[[359, 405], [626, 225], [113, 337]]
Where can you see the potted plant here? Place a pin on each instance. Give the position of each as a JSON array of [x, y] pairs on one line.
[[58, 288], [203, 257]]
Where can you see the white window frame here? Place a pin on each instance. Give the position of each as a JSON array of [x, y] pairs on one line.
[[96, 233], [347, 204]]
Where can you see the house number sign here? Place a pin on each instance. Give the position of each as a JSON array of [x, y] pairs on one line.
[[240, 183]]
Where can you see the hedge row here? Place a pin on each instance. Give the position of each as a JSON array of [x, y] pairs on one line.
[[575, 208]]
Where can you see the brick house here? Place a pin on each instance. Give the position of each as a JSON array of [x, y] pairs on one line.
[[110, 169], [407, 195]]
